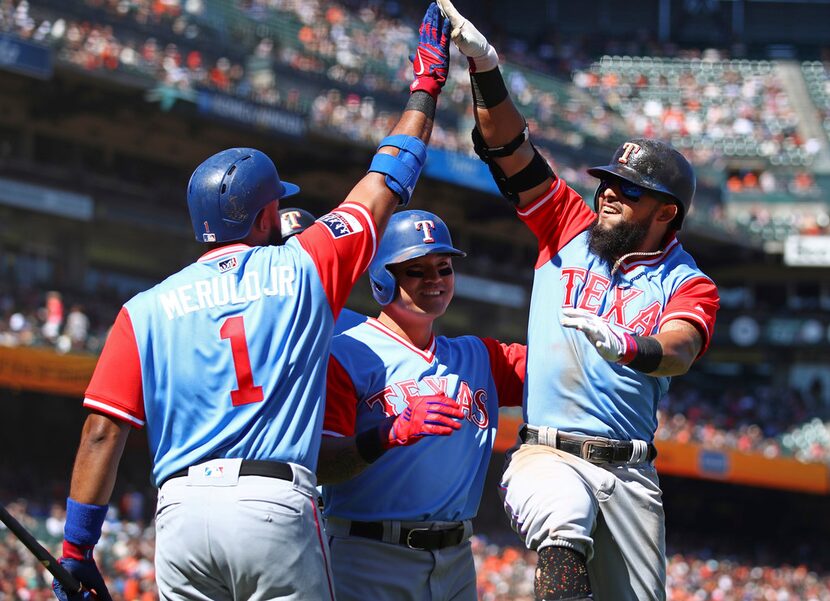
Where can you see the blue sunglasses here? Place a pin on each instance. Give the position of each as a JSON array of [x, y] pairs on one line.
[[632, 192]]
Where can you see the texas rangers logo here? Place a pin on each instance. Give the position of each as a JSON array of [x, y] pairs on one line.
[[292, 220], [629, 148], [426, 226]]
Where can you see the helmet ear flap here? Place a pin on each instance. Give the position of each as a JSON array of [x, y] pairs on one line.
[[384, 286]]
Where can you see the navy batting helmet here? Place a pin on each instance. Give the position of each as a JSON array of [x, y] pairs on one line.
[[227, 192], [656, 166], [293, 221], [410, 234]]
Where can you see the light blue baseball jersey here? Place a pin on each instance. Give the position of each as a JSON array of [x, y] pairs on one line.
[[373, 373], [569, 385], [227, 358]]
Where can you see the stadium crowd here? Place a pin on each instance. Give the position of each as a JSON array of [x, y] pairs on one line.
[[255, 49], [505, 570], [318, 59]]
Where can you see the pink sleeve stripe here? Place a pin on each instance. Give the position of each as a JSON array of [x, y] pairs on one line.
[[369, 219], [686, 316], [110, 410], [532, 207]]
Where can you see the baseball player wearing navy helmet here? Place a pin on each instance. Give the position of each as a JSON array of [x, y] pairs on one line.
[[224, 364], [618, 308], [293, 221], [409, 427]]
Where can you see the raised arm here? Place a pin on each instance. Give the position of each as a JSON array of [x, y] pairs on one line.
[[396, 166], [501, 137]]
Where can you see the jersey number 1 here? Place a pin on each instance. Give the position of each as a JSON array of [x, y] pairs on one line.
[[234, 329]]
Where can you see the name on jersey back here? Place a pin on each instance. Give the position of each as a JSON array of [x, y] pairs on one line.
[[227, 289]]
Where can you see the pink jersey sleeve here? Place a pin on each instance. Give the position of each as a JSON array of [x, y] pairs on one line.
[[696, 301], [341, 244], [116, 387], [556, 218], [341, 401], [507, 364]]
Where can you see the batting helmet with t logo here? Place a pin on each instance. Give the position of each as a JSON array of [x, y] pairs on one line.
[[228, 190], [293, 221], [656, 166], [410, 234]]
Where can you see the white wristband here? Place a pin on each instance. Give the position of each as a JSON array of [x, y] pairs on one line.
[[486, 62]]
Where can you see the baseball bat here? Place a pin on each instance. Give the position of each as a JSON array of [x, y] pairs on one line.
[[67, 580]]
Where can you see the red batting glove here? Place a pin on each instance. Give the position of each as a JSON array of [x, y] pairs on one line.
[[432, 415], [432, 58]]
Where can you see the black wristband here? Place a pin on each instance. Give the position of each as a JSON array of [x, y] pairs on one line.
[[368, 445], [649, 354], [488, 88], [422, 102]]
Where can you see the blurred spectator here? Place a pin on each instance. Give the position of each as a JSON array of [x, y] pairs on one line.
[[53, 316], [77, 328]]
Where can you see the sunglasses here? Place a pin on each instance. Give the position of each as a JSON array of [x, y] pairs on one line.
[[630, 191]]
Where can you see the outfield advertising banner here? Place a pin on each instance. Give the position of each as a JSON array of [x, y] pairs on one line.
[[44, 370]]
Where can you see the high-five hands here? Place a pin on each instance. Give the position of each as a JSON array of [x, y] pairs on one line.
[[469, 40], [431, 61]]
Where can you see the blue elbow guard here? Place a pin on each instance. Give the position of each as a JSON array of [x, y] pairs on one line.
[[401, 171]]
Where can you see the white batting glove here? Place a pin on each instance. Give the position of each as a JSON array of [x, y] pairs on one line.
[[610, 345], [469, 40]]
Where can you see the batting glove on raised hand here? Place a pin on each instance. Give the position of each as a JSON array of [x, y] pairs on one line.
[[431, 61], [611, 345], [82, 566], [469, 40], [432, 415]]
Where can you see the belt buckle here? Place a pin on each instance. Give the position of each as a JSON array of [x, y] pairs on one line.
[[409, 539], [586, 451]]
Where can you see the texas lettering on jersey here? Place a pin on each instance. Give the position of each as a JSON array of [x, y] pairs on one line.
[[622, 311], [394, 399]]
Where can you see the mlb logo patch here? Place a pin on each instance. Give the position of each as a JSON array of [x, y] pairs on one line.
[[341, 224], [227, 264], [216, 471]]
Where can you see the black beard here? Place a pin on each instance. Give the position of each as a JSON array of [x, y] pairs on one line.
[[609, 244]]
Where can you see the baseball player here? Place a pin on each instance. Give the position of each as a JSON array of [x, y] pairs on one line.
[[618, 308], [399, 519], [224, 364], [293, 221]]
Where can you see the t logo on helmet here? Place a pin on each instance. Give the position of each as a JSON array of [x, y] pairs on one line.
[[426, 225], [629, 148], [292, 219]]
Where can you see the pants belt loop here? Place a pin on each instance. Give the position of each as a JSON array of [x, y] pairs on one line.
[[547, 436], [391, 531], [639, 451], [468, 530]]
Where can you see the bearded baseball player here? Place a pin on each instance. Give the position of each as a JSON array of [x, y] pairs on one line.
[[409, 427], [618, 308], [224, 363]]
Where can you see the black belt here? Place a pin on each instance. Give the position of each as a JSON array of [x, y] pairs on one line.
[[420, 539], [251, 467], [590, 448]]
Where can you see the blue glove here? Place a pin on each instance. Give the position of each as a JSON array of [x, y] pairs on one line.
[[432, 59], [86, 571]]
